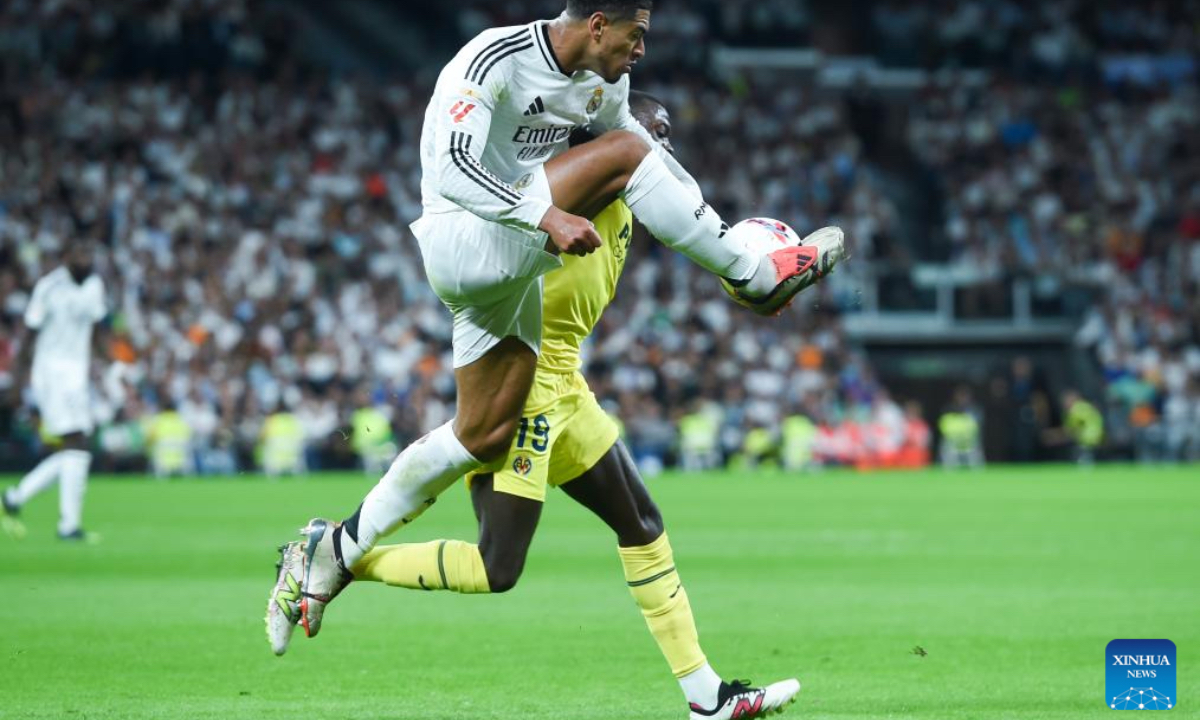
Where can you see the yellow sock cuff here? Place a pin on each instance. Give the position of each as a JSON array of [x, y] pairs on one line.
[[461, 567], [645, 562]]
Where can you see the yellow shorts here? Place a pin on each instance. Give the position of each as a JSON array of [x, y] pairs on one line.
[[563, 433]]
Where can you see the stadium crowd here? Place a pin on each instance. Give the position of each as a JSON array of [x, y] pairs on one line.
[[255, 244], [266, 293], [1079, 168]]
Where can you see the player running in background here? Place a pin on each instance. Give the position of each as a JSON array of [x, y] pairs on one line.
[[565, 440], [502, 195], [65, 304]]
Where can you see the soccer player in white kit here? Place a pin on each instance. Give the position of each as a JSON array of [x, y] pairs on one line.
[[65, 304], [503, 196]]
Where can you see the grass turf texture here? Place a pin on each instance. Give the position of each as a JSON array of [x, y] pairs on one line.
[[1012, 581]]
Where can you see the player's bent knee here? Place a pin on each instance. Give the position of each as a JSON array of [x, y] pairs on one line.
[[626, 148], [648, 529], [652, 523], [502, 578], [493, 444]]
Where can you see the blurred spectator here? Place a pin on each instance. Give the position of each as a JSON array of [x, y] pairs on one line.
[[798, 438], [1084, 426], [169, 442], [281, 444], [960, 428], [371, 435], [699, 437], [1028, 409], [918, 438]]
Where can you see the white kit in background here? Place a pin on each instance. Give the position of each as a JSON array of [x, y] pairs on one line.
[[63, 313]]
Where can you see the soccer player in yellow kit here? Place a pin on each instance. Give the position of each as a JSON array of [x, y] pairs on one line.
[[565, 439]]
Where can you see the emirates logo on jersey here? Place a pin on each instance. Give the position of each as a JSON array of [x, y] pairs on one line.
[[460, 110]]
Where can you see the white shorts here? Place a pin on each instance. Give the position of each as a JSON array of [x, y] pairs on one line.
[[64, 406], [488, 275]]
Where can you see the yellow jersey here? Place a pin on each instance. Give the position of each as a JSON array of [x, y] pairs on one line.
[[575, 296]]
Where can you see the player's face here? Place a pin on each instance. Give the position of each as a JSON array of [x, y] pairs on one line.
[[621, 45], [658, 124], [79, 263]]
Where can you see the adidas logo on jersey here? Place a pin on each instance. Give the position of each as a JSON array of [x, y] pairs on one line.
[[536, 107]]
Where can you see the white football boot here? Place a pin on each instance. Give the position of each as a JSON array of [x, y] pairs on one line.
[[323, 577], [10, 518], [283, 606], [797, 268], [737, 701]]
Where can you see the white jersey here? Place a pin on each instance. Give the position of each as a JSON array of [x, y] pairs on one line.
[[63, 312], [502, 107]]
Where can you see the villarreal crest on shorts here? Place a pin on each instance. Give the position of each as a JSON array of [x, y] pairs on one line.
[[563, 433], [563, 430]]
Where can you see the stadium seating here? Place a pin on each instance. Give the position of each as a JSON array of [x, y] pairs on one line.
[[255, 217]]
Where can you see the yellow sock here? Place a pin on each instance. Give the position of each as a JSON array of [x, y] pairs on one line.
[[650, 571], [438, 565]]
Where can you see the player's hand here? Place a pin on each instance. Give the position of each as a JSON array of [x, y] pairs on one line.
[[570, 233]]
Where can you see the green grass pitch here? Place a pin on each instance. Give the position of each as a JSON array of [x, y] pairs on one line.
[[1011, 581]]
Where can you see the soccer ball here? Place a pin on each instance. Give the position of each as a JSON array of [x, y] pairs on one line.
[[763, 235]]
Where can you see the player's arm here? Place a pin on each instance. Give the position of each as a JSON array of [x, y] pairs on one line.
[[465, 119], [21, 366], [99, 317], [35, 315], [100, 339]]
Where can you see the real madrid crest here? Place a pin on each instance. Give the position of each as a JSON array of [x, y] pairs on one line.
[[597, 99], [525, 181]]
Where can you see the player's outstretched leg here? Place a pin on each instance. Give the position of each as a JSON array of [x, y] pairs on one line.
[[69, 467], [491, 392], [614, 491], [507, 524], [41, 477], [72, 486], [588, 177]]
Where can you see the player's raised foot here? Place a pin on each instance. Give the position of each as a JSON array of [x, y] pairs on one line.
[[797, 268], [817, 256], [10, 518], [79, 535], [323, 575], [283, 605], [738, 701]]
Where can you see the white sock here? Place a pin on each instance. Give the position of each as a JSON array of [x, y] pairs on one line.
[[75, 465], [38, 479], [683, 222], [701, 686], [411, 484]]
